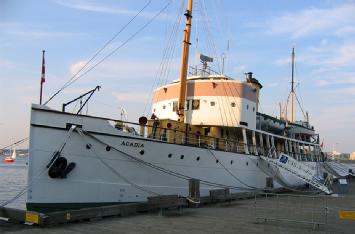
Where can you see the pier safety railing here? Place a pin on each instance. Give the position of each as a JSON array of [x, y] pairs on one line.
[[319, 211]]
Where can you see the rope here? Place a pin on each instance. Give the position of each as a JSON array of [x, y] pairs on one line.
[[172, 173], [24, 190], [75, 77], [166, 59], [235, 177], [15, 143], [116, 172]]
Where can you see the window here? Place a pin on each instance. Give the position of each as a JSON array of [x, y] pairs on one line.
[[195, 104], [233, 104], [253, 109], [175, 106], [164, 107], [187, 104], [212, 103], [247, 107]]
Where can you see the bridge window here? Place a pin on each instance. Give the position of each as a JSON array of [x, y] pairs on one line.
[[195, 104], [175, 106]]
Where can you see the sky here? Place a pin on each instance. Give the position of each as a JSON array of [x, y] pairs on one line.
[[254, 35]]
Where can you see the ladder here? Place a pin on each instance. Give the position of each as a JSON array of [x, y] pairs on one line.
[[298, 169]]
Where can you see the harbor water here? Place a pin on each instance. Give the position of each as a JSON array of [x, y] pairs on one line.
[[13, 181]]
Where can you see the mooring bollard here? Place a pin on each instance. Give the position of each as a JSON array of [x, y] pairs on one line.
[[194, 193]]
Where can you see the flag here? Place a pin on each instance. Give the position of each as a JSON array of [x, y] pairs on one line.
[[321, 145], [43, 77]]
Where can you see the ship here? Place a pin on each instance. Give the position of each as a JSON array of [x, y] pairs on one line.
[[205, 126]]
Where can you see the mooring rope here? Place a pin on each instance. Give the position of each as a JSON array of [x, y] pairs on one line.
[[24, 190]]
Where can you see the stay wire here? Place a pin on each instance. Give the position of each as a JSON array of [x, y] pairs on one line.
[[123, 44], [69, 82]]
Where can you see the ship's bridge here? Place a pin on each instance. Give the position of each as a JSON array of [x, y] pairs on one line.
[[212, 100]]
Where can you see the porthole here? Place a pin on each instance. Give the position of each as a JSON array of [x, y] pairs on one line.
[[141, 152], [182, 157], [198, 159], [108, 148], [217, 161], [88, 146], [169, 155], [231, 162]]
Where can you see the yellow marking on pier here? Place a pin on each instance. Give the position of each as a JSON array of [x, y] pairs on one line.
[[347, 214], [32, 217]]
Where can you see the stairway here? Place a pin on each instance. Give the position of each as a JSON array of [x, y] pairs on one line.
[[298, 169]]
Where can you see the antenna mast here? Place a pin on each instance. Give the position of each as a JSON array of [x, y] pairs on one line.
[[292, 85], [184, 62]]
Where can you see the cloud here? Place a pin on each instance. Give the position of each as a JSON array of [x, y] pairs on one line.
[[4, 63], [240, 68], [338, 20], [99, 7], [324, 57], [121, 69], [134, 96], [32, 31]]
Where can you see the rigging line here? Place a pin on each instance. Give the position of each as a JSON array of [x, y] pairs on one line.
[[159, 72], [211, 36], [235, 177], [73, 78], [119, 174], [166, 69], [298, 101], [229, 84], [24, 190], [123, 44], [15, 143], [173, 42], [172, 173], [220, 99]]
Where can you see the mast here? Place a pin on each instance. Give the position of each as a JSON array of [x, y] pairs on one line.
[[184, 63], [292, 84]]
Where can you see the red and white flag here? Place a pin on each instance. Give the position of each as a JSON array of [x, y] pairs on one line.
[[43, 75]]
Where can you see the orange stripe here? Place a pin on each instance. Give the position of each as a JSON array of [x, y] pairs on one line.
[[208, 89]]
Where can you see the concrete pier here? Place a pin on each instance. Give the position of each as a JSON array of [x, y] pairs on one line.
[[282, 213]]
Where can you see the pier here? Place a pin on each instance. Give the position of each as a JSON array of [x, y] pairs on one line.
[[220, 212]]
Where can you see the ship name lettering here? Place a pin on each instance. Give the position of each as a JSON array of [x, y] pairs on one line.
[[132, 144]]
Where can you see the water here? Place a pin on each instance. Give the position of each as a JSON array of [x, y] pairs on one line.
[[13, 179]]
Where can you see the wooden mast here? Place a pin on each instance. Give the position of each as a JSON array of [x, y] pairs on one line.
[[184, 63], [292, 85]]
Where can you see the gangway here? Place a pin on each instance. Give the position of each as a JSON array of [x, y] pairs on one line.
[[296, 168], [339, 169]]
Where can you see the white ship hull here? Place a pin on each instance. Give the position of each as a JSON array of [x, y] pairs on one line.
[[124, 173]]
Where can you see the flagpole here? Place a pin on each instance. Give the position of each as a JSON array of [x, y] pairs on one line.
[[42, 77]]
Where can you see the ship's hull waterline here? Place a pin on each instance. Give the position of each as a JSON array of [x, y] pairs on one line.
[[113, 166]]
